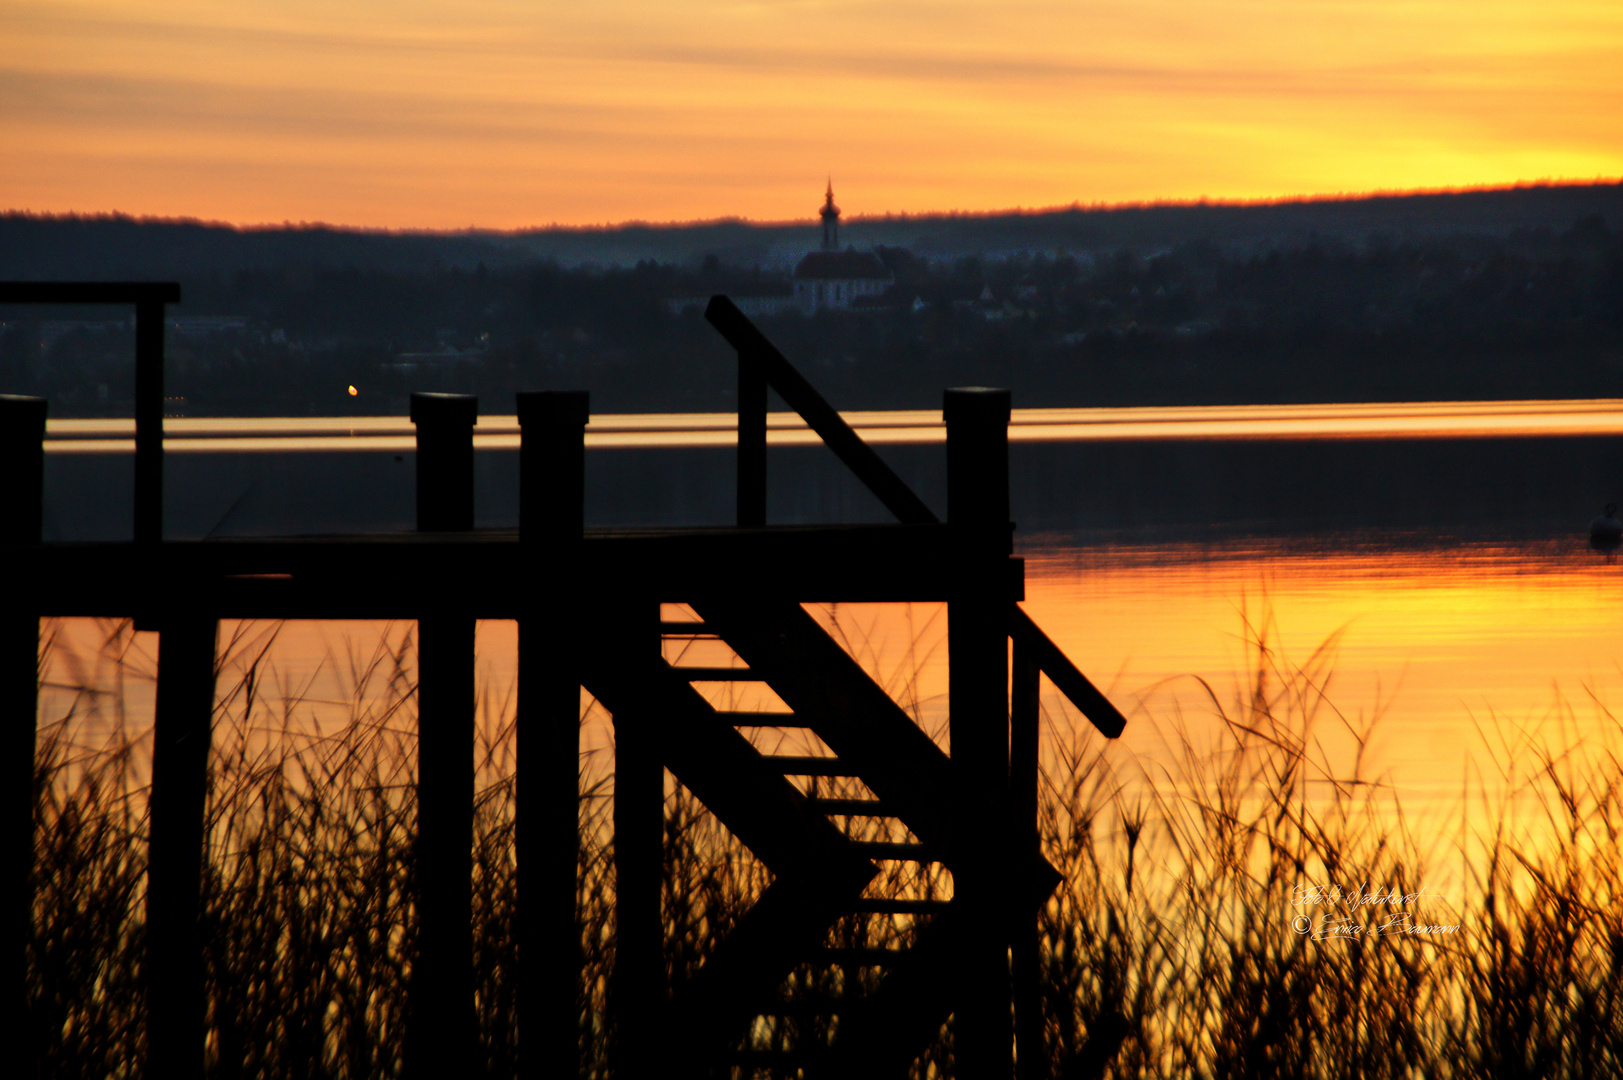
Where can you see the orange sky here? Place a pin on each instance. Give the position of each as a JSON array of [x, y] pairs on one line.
[[512, 113]]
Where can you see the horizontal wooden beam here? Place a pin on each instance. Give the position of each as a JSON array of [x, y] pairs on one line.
[[715, 674], [483, 573], [852, 807], [89, 292]]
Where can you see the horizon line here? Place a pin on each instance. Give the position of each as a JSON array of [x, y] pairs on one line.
[[888, 215]]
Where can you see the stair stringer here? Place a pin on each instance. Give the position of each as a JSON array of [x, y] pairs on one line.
[[842, 704], [817, 874], [879, 1036]]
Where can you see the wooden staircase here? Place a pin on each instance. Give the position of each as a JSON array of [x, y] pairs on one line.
[[854, 956], [782, 996]]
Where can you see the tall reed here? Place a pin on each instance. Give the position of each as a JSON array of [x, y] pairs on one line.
[[1174, 932]]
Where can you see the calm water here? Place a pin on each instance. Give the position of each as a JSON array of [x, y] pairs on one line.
[[1456, 654], [1472, 469]]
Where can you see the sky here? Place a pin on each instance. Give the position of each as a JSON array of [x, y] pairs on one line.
[[505, 114]]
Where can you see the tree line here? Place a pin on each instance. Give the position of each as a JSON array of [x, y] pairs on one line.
[[1532, 313]]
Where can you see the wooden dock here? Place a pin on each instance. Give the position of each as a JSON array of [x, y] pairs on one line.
[[587, 604]]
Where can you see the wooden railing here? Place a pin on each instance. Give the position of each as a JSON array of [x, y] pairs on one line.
[[761, 365], [978, 506]]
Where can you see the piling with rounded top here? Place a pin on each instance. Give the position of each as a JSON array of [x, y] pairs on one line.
[[444, 460], [977, 419], [978, 706], [440, 1034], [552, 500], [552, 464]]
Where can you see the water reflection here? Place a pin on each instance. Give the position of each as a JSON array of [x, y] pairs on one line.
[[1447, 657], [1379, 420]]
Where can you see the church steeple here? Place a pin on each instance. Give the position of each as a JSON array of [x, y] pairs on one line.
[[831, 219]]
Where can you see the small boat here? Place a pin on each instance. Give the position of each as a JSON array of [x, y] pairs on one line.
[[1606, 531]]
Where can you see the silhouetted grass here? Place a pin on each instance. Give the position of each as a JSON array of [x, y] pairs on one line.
[[1173, 930]]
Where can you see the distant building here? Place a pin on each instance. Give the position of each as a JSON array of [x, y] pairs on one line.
[[835, 280]]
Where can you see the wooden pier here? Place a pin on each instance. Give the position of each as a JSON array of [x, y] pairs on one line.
[[587, 603]]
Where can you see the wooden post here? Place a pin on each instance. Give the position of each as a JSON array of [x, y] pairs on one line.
[[1031, 1052], [149, 420], [977, 644], [752, 396], [440, 1036], [639, 841], [181, 735], [22, 489], [444, 460], [552, 514]]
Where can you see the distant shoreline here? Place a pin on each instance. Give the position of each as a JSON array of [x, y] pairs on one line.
[[855, 218]]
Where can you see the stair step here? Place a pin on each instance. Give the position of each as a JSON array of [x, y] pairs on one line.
[[809, 766], [800, 1010], [769, 1059], [859, 957], [716, 674], [903, 907], [762, 719], [883, 849], [851, 807], [685, 629]]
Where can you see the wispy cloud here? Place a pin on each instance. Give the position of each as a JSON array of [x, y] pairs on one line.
[[655, 109]]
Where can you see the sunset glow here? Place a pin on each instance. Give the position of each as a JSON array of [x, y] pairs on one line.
[[504, 115]]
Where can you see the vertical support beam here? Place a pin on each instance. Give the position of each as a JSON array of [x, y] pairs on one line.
[[552, 515], [639, 842], [1031, 1053], [181, 735], [22, 490], [752, 388], [148, 421], [977, 643], [440, 1036]]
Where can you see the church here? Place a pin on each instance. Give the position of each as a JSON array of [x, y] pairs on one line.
[[835, 280]]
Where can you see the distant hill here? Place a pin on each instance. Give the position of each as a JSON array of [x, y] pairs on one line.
[[1492, 295], [39, 247]]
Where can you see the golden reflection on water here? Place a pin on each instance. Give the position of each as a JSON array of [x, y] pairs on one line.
[[396, 434], [1450, 659], [1456, 662]]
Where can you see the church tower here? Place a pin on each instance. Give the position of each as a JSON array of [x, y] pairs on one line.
[[835, 280], [831, 219]]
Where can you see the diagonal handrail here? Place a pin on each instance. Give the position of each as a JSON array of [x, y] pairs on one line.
[[801, 396], [754, 348], [1065, 676]]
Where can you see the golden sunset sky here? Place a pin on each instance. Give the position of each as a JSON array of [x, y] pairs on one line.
[[508, 114]]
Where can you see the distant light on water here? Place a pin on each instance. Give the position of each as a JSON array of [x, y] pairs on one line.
[[1378, 420]]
